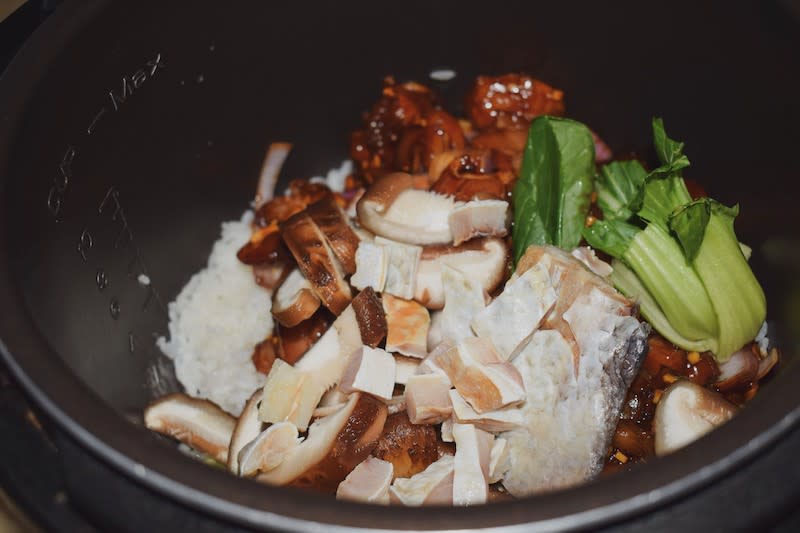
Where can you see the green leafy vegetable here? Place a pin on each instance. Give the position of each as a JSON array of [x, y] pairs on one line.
[[620, 188], [705, 230], [625, 279], [685, 266], [612, 236], [552, 195]]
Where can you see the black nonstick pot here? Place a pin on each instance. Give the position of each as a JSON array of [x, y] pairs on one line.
[[129, 131]]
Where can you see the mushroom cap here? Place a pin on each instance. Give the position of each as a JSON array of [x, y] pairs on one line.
[[394, 209], [686, 412], [317, 261], [334, 446], [333, 224], [294, 300], [370, 317], [200, 424], [411, 448]]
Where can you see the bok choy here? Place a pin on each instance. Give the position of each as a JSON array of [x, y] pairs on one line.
[[679, 257]]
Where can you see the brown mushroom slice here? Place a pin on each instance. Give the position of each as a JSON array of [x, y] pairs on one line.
[[510, 320], [478, 218], [428, 399], [247, 428], [739, 371], [317, 261], [408, 324], [394, 209], [493, 421], [333, 224], [686, 412], [289, 395], [334, 446], [482, 261], [432, 486], [200, 424], [471, 466], [484, 380], [268, 449], [405, 367], [402, 264], [369, 370], [327, 359], [368, 482], [370, 316], [294, 300], [411, 448], [371, 266], [498, 460]]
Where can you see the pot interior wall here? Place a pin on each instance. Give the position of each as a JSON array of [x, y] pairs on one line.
[[149, 130]]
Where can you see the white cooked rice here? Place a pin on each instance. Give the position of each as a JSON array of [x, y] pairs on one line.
[[221, 314], [216, 321]]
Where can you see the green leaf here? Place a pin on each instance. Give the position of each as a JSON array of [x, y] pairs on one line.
[[611, 236], [689, 225], [669, 152], [738, 299], [661, 197], [620, 189], [664, 189], [552, 195]]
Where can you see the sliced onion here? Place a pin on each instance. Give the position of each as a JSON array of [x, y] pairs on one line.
[[273, 162]]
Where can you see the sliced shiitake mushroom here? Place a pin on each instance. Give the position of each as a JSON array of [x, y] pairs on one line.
[[341, 237], [317, 261], [247, 428], [394, 209], [409, 447], [268, 449], [482, 261], [686, 412], [334, 446], [200, 424], [370, 317], [294, 300]]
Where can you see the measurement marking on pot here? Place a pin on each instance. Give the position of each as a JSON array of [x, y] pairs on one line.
[[112, 197], [101, 279], [114, 307], [96, 118], [85, 243], [134, 81], [110, 204], [58, 190]]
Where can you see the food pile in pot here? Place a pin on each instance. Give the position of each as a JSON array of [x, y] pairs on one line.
[[476, 308]]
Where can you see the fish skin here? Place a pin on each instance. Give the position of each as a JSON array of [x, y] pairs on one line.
[[572, 405]]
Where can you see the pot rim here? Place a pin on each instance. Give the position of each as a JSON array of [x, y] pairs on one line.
[[139, 456]]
